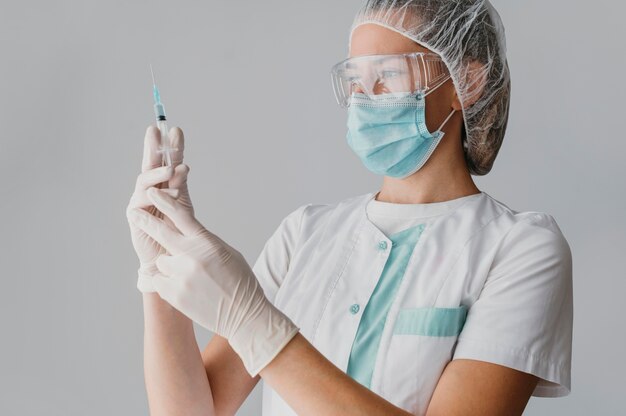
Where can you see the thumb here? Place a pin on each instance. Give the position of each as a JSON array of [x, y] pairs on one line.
[[165, 264], [165, 287]]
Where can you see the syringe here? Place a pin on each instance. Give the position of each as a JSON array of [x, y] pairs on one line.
[[159, 111]]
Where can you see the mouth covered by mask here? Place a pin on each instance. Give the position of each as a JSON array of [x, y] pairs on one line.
[[389, 133]]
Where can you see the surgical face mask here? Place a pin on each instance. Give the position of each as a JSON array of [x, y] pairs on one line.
[[388, 132]]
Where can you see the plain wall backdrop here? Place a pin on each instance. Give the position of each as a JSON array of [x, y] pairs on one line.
[[248, 81]]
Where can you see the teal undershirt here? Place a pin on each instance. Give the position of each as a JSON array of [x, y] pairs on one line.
[[369, 332]]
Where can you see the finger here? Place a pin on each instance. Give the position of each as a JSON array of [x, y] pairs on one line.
[[178, 214], [180, 176], [141, 200], [174, 193], [153, 177], [175, 266], [151, 157], [177, 142], [158, 229]]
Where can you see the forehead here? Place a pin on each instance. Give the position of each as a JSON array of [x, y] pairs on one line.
[[374, 39]]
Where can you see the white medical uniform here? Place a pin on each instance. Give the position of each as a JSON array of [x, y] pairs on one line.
[[480, 281]]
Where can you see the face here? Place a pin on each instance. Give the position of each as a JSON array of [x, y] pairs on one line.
[[373, 39]]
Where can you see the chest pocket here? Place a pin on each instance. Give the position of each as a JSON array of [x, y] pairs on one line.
[[422, 344], [430, 322]]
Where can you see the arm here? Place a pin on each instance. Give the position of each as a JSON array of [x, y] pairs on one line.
[[230, 382], [176, 382], [471, 387], [180, 380], [312, 385]]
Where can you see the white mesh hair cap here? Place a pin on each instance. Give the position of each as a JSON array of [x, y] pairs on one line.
[[469, 36]]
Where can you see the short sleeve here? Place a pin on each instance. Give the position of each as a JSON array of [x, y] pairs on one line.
[[272, 264], [523, 317]]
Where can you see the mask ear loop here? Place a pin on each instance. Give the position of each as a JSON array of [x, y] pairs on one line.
[[447, 119], [453, 110]]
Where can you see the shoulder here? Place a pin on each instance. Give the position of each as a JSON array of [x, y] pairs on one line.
[[486, 224], [532, 237], [311, 216], [316, 215], [528, 222], [532, 222]]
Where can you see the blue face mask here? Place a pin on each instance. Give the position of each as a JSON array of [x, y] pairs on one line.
[[389, 132]]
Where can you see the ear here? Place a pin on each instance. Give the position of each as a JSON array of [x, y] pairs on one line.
[[474, 81]]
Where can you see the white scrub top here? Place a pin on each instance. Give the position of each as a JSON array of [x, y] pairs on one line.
[[390, 293]]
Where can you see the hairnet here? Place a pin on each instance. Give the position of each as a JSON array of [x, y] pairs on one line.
[[469, 36]]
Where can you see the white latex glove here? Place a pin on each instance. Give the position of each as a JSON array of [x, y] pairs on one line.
[[211, 283], [174, 181]]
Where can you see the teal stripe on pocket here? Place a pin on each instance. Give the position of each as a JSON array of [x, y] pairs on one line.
[[431, 322]]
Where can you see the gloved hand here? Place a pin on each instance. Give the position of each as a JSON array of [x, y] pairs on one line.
[[174, 182], [211, 283]]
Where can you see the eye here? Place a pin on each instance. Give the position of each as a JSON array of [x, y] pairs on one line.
[[390, 73]]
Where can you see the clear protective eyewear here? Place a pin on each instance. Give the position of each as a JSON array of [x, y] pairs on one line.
[[386, 74]]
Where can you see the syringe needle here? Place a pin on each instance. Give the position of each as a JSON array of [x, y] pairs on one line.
[[152, 73]]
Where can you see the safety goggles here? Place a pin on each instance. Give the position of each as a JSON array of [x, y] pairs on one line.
[[384, 74]]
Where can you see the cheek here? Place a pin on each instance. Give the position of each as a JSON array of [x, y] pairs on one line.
[[434, 113], [438, 106]]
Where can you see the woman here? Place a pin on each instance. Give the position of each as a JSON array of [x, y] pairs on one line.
[[426, 297]]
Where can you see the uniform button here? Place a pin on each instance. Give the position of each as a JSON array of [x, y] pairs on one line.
[[382, 245], [354, 308]]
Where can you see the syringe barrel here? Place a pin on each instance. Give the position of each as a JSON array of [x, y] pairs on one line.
[[159, 111], [166, 147]]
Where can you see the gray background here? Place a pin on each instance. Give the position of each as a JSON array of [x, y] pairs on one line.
[[248, 82]]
